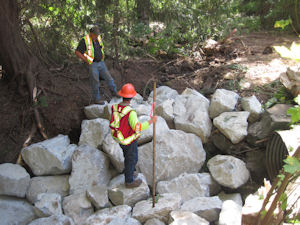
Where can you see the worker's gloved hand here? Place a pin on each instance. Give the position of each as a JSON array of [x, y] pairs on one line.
[[153, 119]]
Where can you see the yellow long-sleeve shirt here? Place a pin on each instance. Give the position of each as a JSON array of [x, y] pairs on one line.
[[135, 124]]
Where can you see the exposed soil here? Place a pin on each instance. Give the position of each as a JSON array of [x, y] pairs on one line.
[[240, 65]]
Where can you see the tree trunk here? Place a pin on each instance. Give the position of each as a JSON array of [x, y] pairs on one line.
[[115, 30], [20, 65], [143, 11], [15, 58]]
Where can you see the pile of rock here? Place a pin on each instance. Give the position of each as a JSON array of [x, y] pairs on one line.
[[84, 184]]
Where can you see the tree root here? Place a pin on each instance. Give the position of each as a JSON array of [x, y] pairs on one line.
[[26, 143]]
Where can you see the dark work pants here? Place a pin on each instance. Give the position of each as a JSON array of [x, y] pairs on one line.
[[130, 153]]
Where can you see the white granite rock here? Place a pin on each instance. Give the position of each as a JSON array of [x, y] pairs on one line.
[[228, 171], [236, 197], [253, 106], [48, 204], [98, 195], [47, 184], [93, 132], [165, 110], [49, 157], [222, 101], [124, 221], [186, 218], [114, 152], [147, 135], [154, 221], [206, 207], [191, 115], [166, 203], [142, 109], [53, 220], [15, 211], [78, 207], [104, 216], [95, 111], [231, 213], [233, 125], [176, 152], [14, 180], [89, 167], [163, 93], [189, 186], [120, 195]]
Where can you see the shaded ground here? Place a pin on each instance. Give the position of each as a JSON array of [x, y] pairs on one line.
[[63, 93]]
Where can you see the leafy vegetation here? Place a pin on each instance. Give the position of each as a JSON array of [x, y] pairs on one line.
[[60, 24]]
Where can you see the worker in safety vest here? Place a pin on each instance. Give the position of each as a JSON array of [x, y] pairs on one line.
[[126, 129], [91, 50]]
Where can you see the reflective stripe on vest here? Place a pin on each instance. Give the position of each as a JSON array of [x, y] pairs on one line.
[[89, 53], [116, 125]]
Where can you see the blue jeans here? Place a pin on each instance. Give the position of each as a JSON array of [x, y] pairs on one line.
[[99, 70], [130, 153]]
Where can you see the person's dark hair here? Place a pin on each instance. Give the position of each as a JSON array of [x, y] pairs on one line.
[[127, 99], [95, 30]]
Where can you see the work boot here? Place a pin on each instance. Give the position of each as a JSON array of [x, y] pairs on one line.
[[114, 93], [134, 184], [99, 102]]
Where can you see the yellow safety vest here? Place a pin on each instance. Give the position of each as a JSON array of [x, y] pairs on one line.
[[89, 52], [120, 129]]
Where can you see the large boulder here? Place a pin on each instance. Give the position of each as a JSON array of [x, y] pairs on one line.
[[95, 111], [14, 180], [166, 203], [274, 118], [186, 218], [147, 135], [78, 207], [154, 221], [233, 125], [189, 186], [163, 93], [98, 195], [191, 115], [47, 184], [53, 220], [89, 167], [228, 171], [253, 106], [124, 221], [142, 109], [176, 152], [48, 204], [120, 195], [222, 101], [114, 152], [206, 207], [236, 197], [166, 111], [93, 132], [15, 211], [231, 213], [104, 216], [49, 157]]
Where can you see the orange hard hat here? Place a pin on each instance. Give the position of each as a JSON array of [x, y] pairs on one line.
[[127, 91]]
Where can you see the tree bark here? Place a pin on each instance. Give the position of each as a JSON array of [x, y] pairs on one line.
[[20, 65], [143, 11], [115, 31]]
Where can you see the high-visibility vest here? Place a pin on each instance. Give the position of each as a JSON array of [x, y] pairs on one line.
[[119, 125], [89, 52]]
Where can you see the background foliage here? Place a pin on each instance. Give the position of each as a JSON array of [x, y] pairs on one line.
[[55, 27]]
